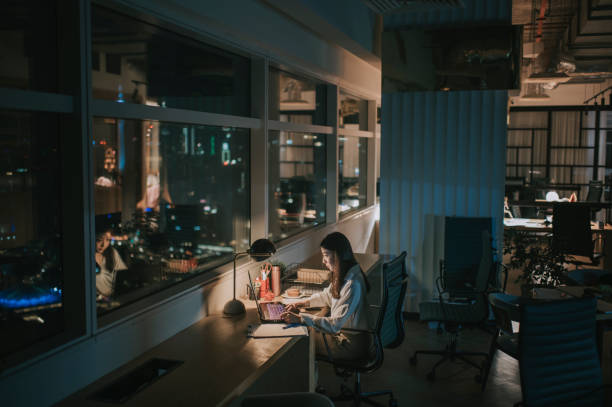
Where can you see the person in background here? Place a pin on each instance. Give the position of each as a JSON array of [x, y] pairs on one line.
[[345, 298], [108, 262]]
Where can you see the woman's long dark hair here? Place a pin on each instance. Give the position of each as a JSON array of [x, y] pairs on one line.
[[108, 253], [340, 245]]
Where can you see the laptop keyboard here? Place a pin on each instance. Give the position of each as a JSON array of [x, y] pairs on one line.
[[275, 310]]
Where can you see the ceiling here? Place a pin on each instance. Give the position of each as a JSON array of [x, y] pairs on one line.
[[565, 42]]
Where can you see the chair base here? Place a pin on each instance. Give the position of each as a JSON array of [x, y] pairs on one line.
[[358, 396], [451, 353]]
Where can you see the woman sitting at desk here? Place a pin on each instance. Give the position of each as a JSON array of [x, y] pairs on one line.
[[108, 262], [346, 299]]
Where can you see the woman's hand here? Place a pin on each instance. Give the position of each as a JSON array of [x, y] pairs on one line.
[[291, 318], [99, 259]]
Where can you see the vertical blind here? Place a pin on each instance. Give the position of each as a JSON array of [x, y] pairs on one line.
[[442, 154]]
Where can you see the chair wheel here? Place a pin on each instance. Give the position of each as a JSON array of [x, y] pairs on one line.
[[413, 360], [393, 403], [431, 376]]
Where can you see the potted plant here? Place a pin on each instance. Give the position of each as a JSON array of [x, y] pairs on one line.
[[534, 259]]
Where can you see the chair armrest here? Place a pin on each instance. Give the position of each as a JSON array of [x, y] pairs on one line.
[[355, 330]]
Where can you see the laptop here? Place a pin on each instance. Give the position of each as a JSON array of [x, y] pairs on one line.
[[269, 312]]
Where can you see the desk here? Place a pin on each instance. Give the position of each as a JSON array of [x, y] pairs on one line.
[[220, 365], [550, 204], [539, 225]]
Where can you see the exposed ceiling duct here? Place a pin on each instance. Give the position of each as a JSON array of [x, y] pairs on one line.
[[564, 42], [391, 6]]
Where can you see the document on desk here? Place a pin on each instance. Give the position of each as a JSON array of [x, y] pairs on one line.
[[276, 331]]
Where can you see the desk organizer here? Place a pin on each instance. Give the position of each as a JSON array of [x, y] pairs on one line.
[[308, 281]]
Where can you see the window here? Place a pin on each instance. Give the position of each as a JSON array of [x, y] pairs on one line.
[[29, 45], [31, 273], [557, 150], [171, 200], [141, 63], [296, 100], [353, 112], [297, 182], [352, 173]]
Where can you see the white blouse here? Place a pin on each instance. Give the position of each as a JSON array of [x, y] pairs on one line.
[[105, 279], [348, 311]]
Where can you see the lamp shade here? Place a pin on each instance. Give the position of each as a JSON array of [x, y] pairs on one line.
[[261, 249]]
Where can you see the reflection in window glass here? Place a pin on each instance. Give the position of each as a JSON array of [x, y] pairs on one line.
[[28, 59], [377, 161], [31, 275], [171, 200], [136, 62], [296, 100], [352, 173], [353, 113], [297, 182]]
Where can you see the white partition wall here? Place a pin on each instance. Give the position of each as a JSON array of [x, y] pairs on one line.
[[442, 154]]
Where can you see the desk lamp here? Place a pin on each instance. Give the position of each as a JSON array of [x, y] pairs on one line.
[[260, 250]]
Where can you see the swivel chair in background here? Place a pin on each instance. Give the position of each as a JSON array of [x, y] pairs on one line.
[[462, 300], [572, 236]]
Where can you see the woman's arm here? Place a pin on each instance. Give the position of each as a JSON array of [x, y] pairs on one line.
[[350, 297]]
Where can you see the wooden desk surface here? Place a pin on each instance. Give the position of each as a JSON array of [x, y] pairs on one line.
[[220, 363], [537, 225]]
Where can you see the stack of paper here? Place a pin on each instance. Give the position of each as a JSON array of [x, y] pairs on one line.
[[276, 330]]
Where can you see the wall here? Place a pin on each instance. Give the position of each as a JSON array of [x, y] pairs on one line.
[[442, 154]]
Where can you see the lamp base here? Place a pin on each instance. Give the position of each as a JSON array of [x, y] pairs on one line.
[[234, 307]]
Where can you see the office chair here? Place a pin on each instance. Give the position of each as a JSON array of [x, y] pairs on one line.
[[506, 309], [557, 354], [460, 305], [387, 333], [572, 235], [304, 399], [595, 191]]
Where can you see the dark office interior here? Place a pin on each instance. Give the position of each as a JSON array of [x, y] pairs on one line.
[[168, 170]]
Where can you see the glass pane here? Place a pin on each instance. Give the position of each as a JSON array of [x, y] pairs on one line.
[[587, 138], [560, 175], [296, 100], [171, 200], [353, 112], [519, 138], [510, 156], [297, 181], [141, 63], [524, 156], [352, 172], [28, 45], [31, 275], [539, 148], [582, 175], [528, 120], [565, 128]]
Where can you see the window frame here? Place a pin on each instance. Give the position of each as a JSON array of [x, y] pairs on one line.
[[79, 231]]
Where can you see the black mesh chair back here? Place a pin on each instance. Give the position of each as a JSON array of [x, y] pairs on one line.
[[395, 282], [462, 251], [558, 359], [572, 229], [595, 191]]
